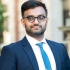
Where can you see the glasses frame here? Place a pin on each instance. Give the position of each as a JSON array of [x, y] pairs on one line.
[[35, 18]]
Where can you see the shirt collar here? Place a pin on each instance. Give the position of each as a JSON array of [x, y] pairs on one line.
[[33, 41]]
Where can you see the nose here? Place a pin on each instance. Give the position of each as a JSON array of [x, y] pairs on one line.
[[36, 21]]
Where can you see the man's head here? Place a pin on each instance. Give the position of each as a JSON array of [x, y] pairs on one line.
[[34, 18]]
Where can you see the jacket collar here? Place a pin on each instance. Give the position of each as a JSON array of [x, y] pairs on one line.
[[54, 49], [30, 53]]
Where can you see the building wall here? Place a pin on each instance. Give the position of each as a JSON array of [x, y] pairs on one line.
[[21, 28], [11, 20], [56, 20]]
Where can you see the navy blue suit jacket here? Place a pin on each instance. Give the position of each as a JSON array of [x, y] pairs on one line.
[[20, 56]]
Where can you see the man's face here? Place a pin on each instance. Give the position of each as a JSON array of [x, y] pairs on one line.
[[35, 28]]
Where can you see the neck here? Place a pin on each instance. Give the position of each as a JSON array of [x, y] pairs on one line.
[[38, 38]]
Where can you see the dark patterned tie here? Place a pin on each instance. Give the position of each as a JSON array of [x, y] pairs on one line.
[[45, 57]]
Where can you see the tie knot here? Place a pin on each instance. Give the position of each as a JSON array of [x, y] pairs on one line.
[[40, 44]]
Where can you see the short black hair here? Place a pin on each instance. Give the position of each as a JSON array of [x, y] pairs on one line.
[[32, 4]]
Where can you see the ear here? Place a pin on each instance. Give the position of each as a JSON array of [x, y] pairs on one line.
[[23, 22]]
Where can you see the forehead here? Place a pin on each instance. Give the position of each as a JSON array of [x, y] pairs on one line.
[[35, 11]]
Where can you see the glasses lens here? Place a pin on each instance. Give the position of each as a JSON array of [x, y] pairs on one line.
[[30, 18], [41, 18]]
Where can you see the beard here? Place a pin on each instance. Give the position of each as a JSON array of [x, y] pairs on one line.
[[36, 32]]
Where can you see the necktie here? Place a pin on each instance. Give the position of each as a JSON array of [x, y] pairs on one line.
[[45, 57]]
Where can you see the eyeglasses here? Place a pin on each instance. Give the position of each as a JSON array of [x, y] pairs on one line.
[[31, 19]]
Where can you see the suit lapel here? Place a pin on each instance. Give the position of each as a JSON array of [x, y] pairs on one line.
[[30, 53], [55, 53]]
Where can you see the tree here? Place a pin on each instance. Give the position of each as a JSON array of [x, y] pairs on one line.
[[3, 18]]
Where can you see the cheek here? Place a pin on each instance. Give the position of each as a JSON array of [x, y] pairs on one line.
[[44, 24], [27, 26]]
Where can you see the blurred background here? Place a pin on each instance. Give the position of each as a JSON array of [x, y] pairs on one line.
[[58, 28]]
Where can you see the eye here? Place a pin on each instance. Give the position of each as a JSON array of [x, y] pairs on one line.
[[30, 18], [41, 17]]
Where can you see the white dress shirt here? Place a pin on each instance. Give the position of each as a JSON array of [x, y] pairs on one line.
[[38, 55]]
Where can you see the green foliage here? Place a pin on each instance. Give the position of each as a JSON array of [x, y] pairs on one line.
[[2, 16], [2, 20]]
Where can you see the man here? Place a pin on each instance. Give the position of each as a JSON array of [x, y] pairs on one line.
[[27, 54]]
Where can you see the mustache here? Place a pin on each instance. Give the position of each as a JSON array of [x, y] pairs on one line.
[[35, 25]]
